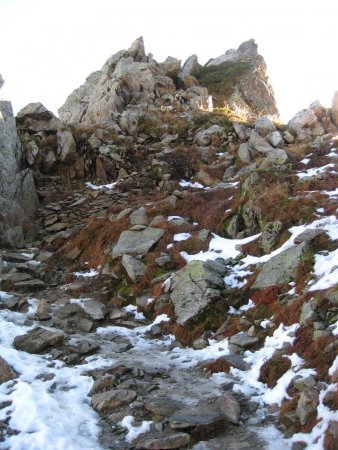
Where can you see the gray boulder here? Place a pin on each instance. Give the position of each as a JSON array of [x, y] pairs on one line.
[[133, 266], [196, 288], [38, 340], [67, 146], [264, 126], [244, 153], [269, 236], [276, 139], [281, 269], [305, 125], [258, 143], [36, 117], [137, 242]]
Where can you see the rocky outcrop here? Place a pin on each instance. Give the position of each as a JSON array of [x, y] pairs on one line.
[[312, 122], [238, 80], [127, 78], [18, 198]]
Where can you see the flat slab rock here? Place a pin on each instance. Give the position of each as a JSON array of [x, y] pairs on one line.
[[165, 441], [108, 401], [137, 242], [243, 340], [196, 417], [280, 269], [38, 340], [163, 406]]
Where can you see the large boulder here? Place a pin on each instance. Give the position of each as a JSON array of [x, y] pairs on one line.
[[35, 117], [305, 125], [18, 198], [196, 289], [282, 268]]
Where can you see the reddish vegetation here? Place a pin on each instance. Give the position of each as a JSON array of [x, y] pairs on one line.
[[93, 239], [217, 366], [319, 354], [273, 369], [207, 208]]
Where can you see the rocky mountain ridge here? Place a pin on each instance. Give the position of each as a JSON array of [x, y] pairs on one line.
[[179, 282]]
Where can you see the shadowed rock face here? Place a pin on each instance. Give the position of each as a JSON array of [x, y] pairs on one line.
[[238, 79], [18, 198]]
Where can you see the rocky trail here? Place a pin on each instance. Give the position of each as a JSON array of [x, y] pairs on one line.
[[138, 372], [169, 270]]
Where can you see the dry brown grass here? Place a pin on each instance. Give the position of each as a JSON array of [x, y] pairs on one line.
[[93, 239], [217, 366], [273, 369], [207, 208], [318, 354]]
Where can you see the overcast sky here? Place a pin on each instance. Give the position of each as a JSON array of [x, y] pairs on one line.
[[49, 47]]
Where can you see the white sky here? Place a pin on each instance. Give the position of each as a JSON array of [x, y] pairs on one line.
[[49, 47]]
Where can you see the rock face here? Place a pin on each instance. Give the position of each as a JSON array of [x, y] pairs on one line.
[[238, 79], [196, 288], [130, 78], [18, 198]]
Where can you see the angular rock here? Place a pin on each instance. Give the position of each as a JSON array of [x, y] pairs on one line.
[[276, 157], [269, 236], [305, 125], [133, 266], [244, 153], [243, 340], [139, 217], [276, 139], [280, 269], [196, 288], [137, 242], [163, 406], [309, 235], [36, 117], [165, 441], [236, 361], [229, 407], [103, 383], [258, 143], [7, 373], [67, 146], [94, 309], [108, 401], [198, 418], [38, 340], [264, 126], [307, 405]]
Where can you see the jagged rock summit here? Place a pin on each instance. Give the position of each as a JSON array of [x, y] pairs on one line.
[[238, 79], [131, 79]]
